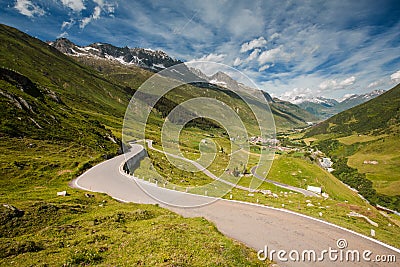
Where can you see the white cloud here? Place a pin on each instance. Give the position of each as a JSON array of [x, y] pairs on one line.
[[101, 6], [269, 55], [85, 22], [265, 67], [213, 57], [256, 43], [253, 55], [62, 35], [106, 6], [96, 12], [395, 77], [237, 62], [296, 93], [99, 2], [328, 84], [348, 81], [373, 84], [75, 5], [274, 36], [25, 7], [94, 16], [272, 55], [67, 24], [243, 21], [335, 84]]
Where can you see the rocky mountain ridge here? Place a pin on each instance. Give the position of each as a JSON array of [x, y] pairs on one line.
[[145, 58]]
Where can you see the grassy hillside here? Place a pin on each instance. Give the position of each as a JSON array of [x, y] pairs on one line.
[[286, 115], [364, 143], [286, 168], [58, 119], [377, 116], [384, 171]]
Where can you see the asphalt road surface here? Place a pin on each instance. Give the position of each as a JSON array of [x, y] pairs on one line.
[[254, 225]]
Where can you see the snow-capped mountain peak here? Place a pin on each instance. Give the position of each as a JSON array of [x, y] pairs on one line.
[[142, 57], [362, 97], [317, 100]]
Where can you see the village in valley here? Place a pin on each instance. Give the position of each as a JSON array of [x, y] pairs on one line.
[[283, 144]]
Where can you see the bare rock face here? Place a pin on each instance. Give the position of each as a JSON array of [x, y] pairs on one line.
[[20, 81], [12, 211], [63, 45]]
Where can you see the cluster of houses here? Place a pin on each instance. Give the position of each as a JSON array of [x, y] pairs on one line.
[[263, 141]]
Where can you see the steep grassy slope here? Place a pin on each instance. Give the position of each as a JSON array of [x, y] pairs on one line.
[[81, 87], [58, 119]]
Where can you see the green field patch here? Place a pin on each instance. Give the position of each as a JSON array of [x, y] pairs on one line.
[[380, 161], [301, 173], [359, 138]]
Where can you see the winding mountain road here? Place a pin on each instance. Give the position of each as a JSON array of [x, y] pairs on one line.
[[201, 168], [255, 225]]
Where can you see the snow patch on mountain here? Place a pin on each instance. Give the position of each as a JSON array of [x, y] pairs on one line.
[[318, 100], [142, 57]]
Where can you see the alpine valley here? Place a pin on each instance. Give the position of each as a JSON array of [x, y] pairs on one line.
[[62, 111]]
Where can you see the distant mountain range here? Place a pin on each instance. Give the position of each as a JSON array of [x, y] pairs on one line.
[[325, 108], [287, 115], [319, 108], [379, 115]]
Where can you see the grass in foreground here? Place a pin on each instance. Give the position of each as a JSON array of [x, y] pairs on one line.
[[78, 231]]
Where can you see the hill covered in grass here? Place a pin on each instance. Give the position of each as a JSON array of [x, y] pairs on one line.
[[59, 118], [364, 144], [120, 64]]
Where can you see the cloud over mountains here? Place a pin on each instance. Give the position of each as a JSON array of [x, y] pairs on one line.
[[320, 46]]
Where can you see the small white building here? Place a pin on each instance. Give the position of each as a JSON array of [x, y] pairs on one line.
[[314, 189], [326, 163]]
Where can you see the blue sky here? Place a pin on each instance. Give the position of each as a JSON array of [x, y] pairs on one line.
[[289, 48]]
